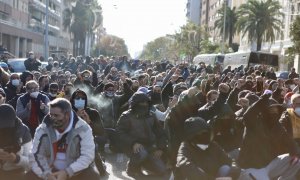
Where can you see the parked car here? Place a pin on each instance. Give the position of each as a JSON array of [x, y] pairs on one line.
[[282, 74], [18, 64]]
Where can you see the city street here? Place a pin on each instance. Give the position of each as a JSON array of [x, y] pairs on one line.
[[116, 166]]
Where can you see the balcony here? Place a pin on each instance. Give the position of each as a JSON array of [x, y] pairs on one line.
[[36, 4], [40, 26]]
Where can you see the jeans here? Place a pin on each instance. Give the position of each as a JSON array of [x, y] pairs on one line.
[[148, 161], [279, 168], [91, 173]]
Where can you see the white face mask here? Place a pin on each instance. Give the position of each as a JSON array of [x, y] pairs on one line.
[[297, 111], [15, 82], [34, 94], [79, 103], [202, 146], [31, 56]]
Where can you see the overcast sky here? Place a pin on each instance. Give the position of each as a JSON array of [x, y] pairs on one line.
[[141, 21]]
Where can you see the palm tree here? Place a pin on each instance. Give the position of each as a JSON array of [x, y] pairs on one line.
[[261, 20], [80, 20], [230, 24]]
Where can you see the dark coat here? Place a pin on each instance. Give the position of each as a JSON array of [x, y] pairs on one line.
[[193, 163], [96, 121], [32, 65], [144, 130], [264, 138], [185, 109]]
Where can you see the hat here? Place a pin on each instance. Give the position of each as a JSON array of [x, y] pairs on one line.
[[8, 116], [144, 90], [2, 92], [179, 86], [193, 126]]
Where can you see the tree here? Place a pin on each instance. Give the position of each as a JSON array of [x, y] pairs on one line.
[[189, 38], [111, 45], [80, 20], [295, 35], [230, 24], [158, 49], [260, 20]]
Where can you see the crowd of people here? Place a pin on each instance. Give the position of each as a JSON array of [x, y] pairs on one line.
[[190, 121]]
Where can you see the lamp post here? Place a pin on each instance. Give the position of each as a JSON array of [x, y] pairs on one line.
[[224, 27], [46, 32]]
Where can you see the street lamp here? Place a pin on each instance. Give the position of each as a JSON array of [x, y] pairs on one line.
[[224, 27], [46, 32]]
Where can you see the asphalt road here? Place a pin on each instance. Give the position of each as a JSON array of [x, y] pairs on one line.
[[116, 166]]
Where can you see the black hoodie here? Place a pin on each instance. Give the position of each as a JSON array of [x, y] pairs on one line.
[[96, 121]]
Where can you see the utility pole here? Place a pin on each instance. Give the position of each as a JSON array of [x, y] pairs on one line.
[[224, 27], [46, 32]]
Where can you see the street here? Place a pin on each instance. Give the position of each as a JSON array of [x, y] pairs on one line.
[[116, 167]]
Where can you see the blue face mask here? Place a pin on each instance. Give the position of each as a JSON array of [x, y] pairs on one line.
[[79, 103]]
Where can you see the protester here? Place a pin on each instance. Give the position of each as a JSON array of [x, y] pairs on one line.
[[142, 137], [63, 146], [199, 157], [15, 144], [32, 106]]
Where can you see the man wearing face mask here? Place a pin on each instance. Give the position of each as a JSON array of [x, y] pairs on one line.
[[32, 106], [32, 64], [13, 87], [199, 157], [143, 139], [290, 119], [211, 97], [63, 146], [53, 91], [79, 101]]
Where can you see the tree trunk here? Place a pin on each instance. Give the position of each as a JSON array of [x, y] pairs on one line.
[[259, 43]]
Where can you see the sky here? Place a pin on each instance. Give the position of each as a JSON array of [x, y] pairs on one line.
[[141, 21]]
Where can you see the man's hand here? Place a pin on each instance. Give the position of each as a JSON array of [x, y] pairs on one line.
[[294, 160], [157, 154], [5, 156], [224, 88], [28, 106], [42, 105], [82, 113], [137, 148], [61, 175]]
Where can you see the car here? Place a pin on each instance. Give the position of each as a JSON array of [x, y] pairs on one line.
[[18, 64], [282, 74]]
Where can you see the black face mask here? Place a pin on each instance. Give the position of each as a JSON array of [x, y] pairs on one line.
[[46, 88], [155, 98], [141, 110]]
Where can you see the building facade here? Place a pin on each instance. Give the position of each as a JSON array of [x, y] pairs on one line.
[[193, 11], [22, 27]]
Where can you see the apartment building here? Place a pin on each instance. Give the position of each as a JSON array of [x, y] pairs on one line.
[[22, 26], [193, 11]]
